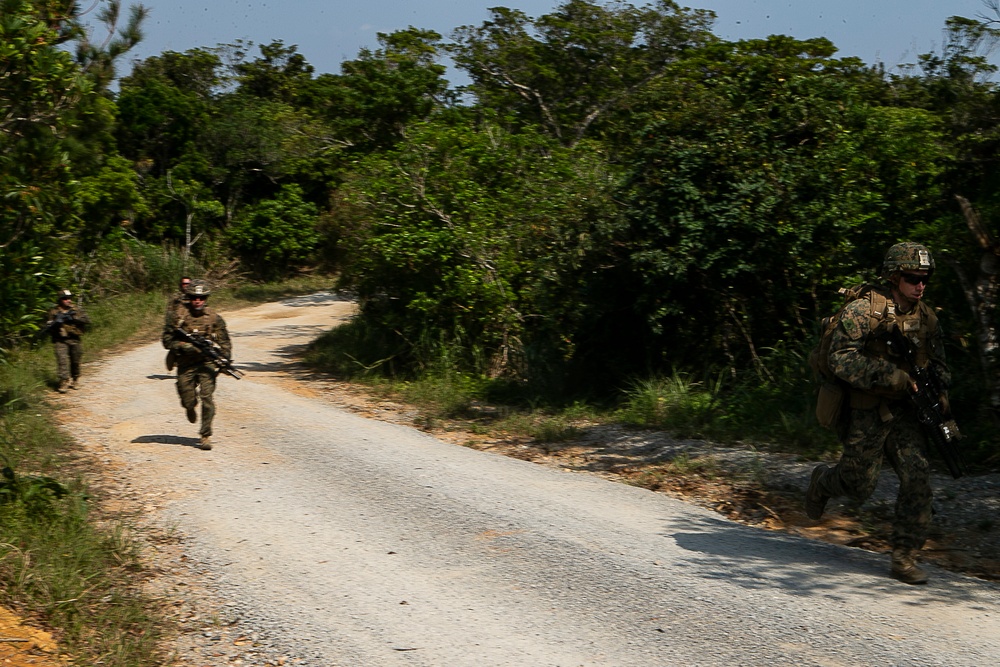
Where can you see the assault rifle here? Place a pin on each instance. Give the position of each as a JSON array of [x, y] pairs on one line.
[[927, 399], [210, 349], [61, 318]]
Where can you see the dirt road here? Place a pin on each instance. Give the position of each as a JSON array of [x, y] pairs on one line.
[[341, 541]]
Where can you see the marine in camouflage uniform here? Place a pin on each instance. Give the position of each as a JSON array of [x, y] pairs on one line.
[[881, 424], [178, 301], [67, 339], [176, 307], [195, 373]]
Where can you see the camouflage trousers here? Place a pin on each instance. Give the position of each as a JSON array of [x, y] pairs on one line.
[[68, 356], [868, 441], [196, 383]]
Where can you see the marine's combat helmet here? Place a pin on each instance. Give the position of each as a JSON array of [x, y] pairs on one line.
[[63, 294], [907, 256], [195, 291]]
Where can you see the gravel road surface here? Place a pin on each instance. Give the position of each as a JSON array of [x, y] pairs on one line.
[[342, 541]]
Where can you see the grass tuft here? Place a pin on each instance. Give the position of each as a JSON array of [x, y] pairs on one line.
[[676, 403]]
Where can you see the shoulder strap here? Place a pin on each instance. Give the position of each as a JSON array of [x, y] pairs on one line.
[[210, 321], [881, 305], [928, 315]]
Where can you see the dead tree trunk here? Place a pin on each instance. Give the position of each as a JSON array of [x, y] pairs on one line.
[[982, 296]]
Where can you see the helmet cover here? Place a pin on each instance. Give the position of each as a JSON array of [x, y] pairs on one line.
[[907, 256]]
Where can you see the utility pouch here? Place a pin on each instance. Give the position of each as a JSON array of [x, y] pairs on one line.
[[828, 404], [171, 359]]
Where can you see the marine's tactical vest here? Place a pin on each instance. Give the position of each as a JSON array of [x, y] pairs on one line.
[[917, 325], [205, 324], [69, 331]]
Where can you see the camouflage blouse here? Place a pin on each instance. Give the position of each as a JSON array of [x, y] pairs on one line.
[[207, 323], [860, 356]]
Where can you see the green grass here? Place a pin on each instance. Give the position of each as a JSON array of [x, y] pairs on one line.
[[772, 409], [58, 563], [677, 404], [61, 562], [769, 406]]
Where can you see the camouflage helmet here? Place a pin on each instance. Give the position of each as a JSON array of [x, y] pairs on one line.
[[907, 257], [64, 294], [199, 290]]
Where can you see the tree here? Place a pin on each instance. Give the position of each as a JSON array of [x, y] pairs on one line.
[[278, 75], [43, 96], [573, 68], [983, 293], [109, 199], [164, 104], [196, 201], [370, 103], [471, 242], [39, 87], [757, 193], [273, 237], [99, 60]]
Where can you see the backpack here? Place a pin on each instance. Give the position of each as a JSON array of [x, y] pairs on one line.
[[832, 389]]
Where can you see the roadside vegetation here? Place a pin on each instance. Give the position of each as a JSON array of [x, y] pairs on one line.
[[777, 415], [622, 218]]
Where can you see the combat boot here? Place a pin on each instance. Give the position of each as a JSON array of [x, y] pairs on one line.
[[205, 443], [905, 568], [62, 387], [192, 415], [816, 500], [74, 383]]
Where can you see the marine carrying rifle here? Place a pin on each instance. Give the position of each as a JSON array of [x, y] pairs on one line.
[[927, 398], [210, 349]]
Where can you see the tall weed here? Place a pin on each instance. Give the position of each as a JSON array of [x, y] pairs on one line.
[[124, 265], [677, 403], [356, 350], [444, 393], [777, 407]]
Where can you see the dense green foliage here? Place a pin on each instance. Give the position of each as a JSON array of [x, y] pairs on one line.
[[618, 195]]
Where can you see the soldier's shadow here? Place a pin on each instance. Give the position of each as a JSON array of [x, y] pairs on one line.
[[167, 440], [160, 377]]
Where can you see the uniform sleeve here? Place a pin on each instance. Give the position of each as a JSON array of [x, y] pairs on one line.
[[173, 315], [848, 358], [222, 338], [81, 318], [168, 312], [49, 318], [167, 337]]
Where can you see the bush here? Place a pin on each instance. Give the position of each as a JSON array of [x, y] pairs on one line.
[[276, 236]]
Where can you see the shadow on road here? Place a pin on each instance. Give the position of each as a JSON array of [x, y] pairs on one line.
[[284, 332], [317, 299], [763, 560], [167, 440]]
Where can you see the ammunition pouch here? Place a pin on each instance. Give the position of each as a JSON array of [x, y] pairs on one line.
[[829, 404]]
